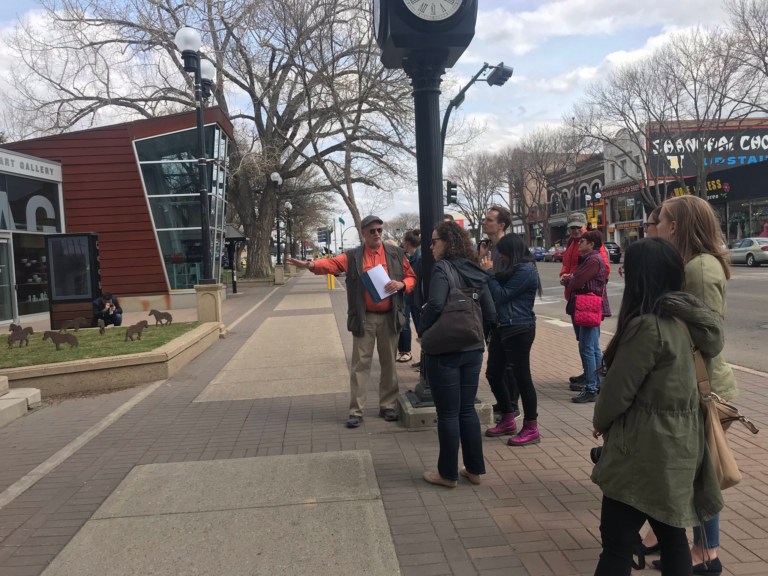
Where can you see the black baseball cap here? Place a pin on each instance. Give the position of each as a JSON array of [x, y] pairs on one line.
[[368, 220]]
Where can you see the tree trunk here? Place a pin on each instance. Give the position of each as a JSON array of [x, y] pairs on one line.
[[259, 261]]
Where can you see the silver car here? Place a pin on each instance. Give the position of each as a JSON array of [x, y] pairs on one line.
[[749, 251]]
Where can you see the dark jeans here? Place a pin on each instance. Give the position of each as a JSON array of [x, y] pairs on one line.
[[619, 527], [453, 380], [514, 352], [114, 319], [504, 387], [404, 342]]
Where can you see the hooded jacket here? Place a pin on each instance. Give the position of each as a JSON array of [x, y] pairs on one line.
[[514, 299], [470, 274], [655, 456]]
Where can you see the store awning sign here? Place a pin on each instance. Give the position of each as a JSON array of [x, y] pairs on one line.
[[629, 225]]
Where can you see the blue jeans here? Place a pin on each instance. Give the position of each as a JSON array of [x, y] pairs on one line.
[[453, 380], [591, 356], [711, 532], [404, 342]]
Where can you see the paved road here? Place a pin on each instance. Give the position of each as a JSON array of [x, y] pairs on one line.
[[747, 321]]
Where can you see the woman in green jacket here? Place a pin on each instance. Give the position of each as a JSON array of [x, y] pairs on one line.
[[654, 465], [692, 226]]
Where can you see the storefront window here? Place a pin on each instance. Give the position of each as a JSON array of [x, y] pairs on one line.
[[760, 218], [31, 273], [70, 267], [169, 170], [29, 205], [738, 221]]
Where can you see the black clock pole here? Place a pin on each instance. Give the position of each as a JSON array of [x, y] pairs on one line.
[[426, 69]]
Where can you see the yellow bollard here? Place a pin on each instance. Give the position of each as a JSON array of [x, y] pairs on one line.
[[328, 281], [333, 282]]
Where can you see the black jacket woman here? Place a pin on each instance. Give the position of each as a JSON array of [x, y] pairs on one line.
[[514, 291], [454, 375]]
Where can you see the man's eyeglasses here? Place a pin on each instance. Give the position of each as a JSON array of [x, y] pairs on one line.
[[373, 231]]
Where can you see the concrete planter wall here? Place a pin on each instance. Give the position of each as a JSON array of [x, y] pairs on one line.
[[115, 372]]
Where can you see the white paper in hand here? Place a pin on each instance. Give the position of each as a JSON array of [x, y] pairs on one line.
[[379, 279]]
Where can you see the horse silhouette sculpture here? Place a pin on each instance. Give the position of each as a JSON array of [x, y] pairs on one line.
[[14, 328], [21, 336], [102, 327], [136, 329], [60, 339], [77, 323], [160, 316]]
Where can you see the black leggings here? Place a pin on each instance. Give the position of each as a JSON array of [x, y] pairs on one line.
[[514, 351], [619, 527]]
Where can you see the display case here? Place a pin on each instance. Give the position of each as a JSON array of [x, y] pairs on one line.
[[74, 275]]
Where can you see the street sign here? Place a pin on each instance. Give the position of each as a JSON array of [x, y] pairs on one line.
[[322, 235], [342, 221]]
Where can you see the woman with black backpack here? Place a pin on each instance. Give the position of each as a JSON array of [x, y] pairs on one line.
[[451, 328]]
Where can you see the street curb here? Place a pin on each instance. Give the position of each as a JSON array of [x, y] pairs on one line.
[[749, 370]]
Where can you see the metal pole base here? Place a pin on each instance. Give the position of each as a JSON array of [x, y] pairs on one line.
[[421, 396]]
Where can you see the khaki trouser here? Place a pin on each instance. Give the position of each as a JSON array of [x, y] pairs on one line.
[[379, 331]]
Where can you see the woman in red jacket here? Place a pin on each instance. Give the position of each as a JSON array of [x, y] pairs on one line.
[[577, 226]]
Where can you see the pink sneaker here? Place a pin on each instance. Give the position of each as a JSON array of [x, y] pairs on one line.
[[506, 427], [528, 435]]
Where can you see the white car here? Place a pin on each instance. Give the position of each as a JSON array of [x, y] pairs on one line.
[[749, 251]]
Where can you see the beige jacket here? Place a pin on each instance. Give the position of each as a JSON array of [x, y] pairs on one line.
[[705, 279]]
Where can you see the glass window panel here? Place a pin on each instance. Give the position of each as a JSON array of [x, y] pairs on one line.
[[183, 257], [175, 211], [760, 218], [27, 204], [177, 146], [29, 260], [171, 178], [70, 268]]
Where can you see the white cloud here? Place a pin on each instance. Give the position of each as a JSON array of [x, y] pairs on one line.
[[522, 32]]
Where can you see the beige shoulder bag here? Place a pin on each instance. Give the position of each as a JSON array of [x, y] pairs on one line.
[[718, 417]]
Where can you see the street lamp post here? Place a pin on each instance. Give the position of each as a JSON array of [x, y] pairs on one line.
[[588, 198], [275, 177], [288, 238], [188, 42]]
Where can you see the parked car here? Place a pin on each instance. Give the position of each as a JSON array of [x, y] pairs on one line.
[[614, 251], [749, 251], [554, 254], [538, 253]]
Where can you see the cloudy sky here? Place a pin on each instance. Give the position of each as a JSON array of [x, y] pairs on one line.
[[556, 48]]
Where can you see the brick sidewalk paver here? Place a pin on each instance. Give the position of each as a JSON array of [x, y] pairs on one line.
[[535, 514]]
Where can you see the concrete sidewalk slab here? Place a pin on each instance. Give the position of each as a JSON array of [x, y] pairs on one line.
[[281, 339], [304, 302], [251, 390], [278, 359], [248, 483], [281, 515]]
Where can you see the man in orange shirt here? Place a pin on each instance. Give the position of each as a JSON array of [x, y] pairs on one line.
[[372, 324]]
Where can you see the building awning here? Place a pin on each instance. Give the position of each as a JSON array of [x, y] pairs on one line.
[[232, 234], [558, 220]]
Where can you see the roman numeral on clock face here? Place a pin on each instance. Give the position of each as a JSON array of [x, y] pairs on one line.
[[423, 8]]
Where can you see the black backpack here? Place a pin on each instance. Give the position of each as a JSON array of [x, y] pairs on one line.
[[460, 325]]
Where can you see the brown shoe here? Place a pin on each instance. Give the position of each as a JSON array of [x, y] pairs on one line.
[[435, 478], [474, 478]]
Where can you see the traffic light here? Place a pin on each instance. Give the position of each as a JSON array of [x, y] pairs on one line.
[[451, 194], [499, 75]]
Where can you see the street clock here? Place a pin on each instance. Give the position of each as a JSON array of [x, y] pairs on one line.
[[404, 26]]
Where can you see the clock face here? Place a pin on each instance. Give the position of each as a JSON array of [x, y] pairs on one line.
[[434, 10]]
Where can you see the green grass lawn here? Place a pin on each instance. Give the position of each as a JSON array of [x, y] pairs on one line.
[[90, 345]]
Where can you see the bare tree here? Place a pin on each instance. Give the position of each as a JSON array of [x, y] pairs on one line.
[[301, 81], [395, 228], [527, 169], [749, 27], [479, 182], [685, 93]]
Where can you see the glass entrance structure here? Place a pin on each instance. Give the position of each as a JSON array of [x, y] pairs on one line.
[[169, 173]]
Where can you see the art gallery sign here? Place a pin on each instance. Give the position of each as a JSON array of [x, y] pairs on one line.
[[30, 193]]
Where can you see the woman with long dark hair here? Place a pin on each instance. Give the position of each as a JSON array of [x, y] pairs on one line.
[[655, 464], [454, 373], [514, 291]]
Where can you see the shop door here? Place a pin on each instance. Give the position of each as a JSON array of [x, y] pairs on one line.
[[6, 280]]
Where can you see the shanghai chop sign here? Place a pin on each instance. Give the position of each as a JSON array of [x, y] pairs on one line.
[[723, 149]]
